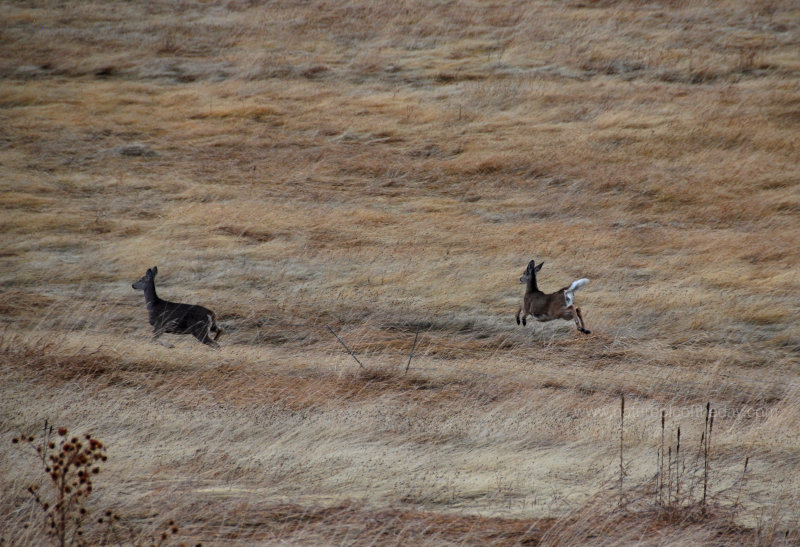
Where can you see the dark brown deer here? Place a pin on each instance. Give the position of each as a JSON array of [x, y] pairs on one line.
[[175, 318], [546, 307]]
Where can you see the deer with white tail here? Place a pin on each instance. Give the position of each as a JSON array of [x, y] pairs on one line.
[[546, 307], [176, 318]]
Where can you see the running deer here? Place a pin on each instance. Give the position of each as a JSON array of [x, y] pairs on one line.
[[175, 318], [546, 307]]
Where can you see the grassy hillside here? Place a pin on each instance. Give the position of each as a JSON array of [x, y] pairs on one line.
[[388, 169]]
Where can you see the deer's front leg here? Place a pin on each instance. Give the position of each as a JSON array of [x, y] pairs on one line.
[[521, 314]]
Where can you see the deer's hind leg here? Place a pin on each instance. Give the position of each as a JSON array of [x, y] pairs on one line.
[[579, 322], [202, 332], [205, 338], [214, 326]]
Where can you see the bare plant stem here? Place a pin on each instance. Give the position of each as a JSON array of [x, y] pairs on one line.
[[413, 347], [708, 453], [669, 476], [705, 454], [353, 355], [741, 483], [621, 438], [48, 431], [661, 463], [695, 480], [677, 467]]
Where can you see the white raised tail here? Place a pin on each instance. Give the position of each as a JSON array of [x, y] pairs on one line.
[[568, 292]]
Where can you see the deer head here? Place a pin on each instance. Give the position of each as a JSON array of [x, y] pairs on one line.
[[149, 277], [530, 271]]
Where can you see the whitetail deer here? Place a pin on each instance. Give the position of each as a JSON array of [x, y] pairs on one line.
[[175, 318], [546, 307]]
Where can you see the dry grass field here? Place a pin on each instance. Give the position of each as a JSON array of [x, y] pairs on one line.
[[388, 169]]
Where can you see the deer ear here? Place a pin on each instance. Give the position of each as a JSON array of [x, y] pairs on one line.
[[155, 270], [539, 267]]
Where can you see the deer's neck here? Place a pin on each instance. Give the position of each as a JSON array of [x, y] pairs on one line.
[[531, 286], [150, 296]]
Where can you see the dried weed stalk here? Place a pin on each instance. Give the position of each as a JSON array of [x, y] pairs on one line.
[[70, 463]]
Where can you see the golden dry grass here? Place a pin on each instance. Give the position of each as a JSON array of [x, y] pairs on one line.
[[388, 168]]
